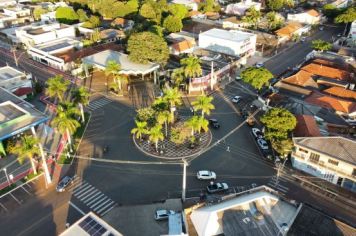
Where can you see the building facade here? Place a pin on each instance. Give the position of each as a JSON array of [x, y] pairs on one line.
[[310, 17], [330, 158], [15, 81]]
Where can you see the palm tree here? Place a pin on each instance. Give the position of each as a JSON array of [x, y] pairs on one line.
[[165, 117], [178, 76], [141, 129], [28, 149], [56, 88], [112, 69], [202, 124], [66, 123], [347, 17], [191, 67], [204, 104], [252, 16], [81, 97], [156, 135], [193, 124], [174, 97]]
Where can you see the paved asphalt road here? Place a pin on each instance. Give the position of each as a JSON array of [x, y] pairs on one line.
[[134, 184]]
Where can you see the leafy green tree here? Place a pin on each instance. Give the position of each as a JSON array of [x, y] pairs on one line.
[[107, 8], [283, 147], [209, 6], [275, 5], [152, 11], [347, 17], [126, 8], [160, 104], [173, 97], [156, 29], [330, 11], [165, 117], [38, 12], [179, 135], [147, 47], [27, 149], [173, 24], [257, 77], [56, 88], [146, 114], [66, 15], [203, 104], [140, 129], [156, 135], [94, 20], [252, 16], [278, 123], [82, 15], [321, 45], [178, 10], [273, 20], [81, 97]]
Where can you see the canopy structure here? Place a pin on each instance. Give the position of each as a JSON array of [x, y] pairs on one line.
[[100, 60]]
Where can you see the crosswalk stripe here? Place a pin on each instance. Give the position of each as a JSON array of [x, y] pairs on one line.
[[83, 189], [78, 188], [112, 203], [102, 204], [85, 192], [90, 194], [89, 199], [98, 103], [97, 203], [102, 214], [93, 200]]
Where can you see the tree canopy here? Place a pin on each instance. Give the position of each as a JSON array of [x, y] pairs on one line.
[[278, 122], [172, 24], [276, 5], [147, 47], [274, 21], [82, 15], [66, 15], [178, 10], [321, 45], [348, 16], [252, 16], [38, 12], [257, 77]]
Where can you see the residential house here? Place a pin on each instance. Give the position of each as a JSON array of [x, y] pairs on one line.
[[233, 23], [196, 15], [341, 93], [310, 17], [330, 158], [300, 84], [15, 81], [292, 28], [327, 71], [184, 46], [233, 42], [241, 7], [306, 127], [15, 15], [122, 23], [111, 35]]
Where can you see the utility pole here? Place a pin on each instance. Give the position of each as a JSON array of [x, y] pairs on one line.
[[184, 184], [7, 177], [280, 167], [14, 54]]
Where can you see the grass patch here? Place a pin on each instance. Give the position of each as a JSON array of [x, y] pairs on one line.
[[7, 189]]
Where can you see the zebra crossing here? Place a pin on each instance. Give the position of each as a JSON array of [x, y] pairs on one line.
[[91, 197], [276, 184], [98, 103]]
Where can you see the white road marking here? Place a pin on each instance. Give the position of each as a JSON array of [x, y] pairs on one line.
[[77, 208]]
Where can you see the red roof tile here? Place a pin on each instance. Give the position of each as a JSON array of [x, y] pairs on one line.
[[23, 91], [341, 92], [336, 104], [301, 78], [326, 71], [306, 127], [182, 46]]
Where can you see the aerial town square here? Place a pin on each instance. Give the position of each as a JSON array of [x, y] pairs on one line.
[[177, 117]]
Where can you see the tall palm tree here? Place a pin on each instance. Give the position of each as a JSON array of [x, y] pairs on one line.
[[192, 67], [178, 76], [27, 149], [165, 117], [141, 129], [81, 97], [202, 124], [174, 97], [204, 104], [156, 135], [112, 69], [66, 123], [56, 88], [193, 124]]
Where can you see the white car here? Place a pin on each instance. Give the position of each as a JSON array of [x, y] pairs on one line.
[[236, 99], [206, 175], [238, 78], [259, 65], [257, 133], [163, 214], [262, 144]]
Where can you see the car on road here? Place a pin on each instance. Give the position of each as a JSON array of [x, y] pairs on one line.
[[262, 144], [214, 123], [257, 133], [238, 78], [163, 214], [321, 28], [259, 65], [236, 99], [339, 35], [64, 183], [206, 175], [302, 39], [217, 187]]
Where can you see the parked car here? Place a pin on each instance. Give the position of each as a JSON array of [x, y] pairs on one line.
[[238, 78], [262, 144], [217, 187], [214, 123], [206, 175], [236, 99], [64, 183], [163, 214], [257, 133], [259, 65]]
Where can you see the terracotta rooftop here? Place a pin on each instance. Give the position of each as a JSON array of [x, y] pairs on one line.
[[289, 29], [183, 45], [291, 88], [313, 12], [301, 78], [119, 21], [326, 71], [330, 102], [194, 13], [341, 92], [306, 127]]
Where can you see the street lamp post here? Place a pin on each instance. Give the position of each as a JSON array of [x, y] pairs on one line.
[[184, 184], [7, 177]]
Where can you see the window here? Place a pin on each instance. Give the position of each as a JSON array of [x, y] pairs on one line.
[[303, 150], [314, 157], [335, 163]]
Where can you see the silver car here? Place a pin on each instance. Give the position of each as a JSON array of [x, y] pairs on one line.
[[163, 214], [64, 183], [206, 175]]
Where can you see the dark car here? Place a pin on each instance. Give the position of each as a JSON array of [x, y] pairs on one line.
[[217, 187], [64, 183], [214, 123]]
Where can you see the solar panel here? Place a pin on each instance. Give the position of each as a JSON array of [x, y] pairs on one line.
[[92, 227]]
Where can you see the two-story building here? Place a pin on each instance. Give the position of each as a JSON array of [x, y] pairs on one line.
[[310, 17], [330, 158], [15, 81]]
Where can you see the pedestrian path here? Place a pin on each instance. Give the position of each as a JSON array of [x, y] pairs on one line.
[[98, 103], [277, 184], [91, 197]]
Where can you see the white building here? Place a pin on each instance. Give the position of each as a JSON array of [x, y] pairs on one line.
[[352, 32], [14, 16], [17, 11], [38, 33], [15, 81], [54, 53], [48, 17], [330, 158], [241, 7], [231, 42], [341, 3], [310, 17]]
